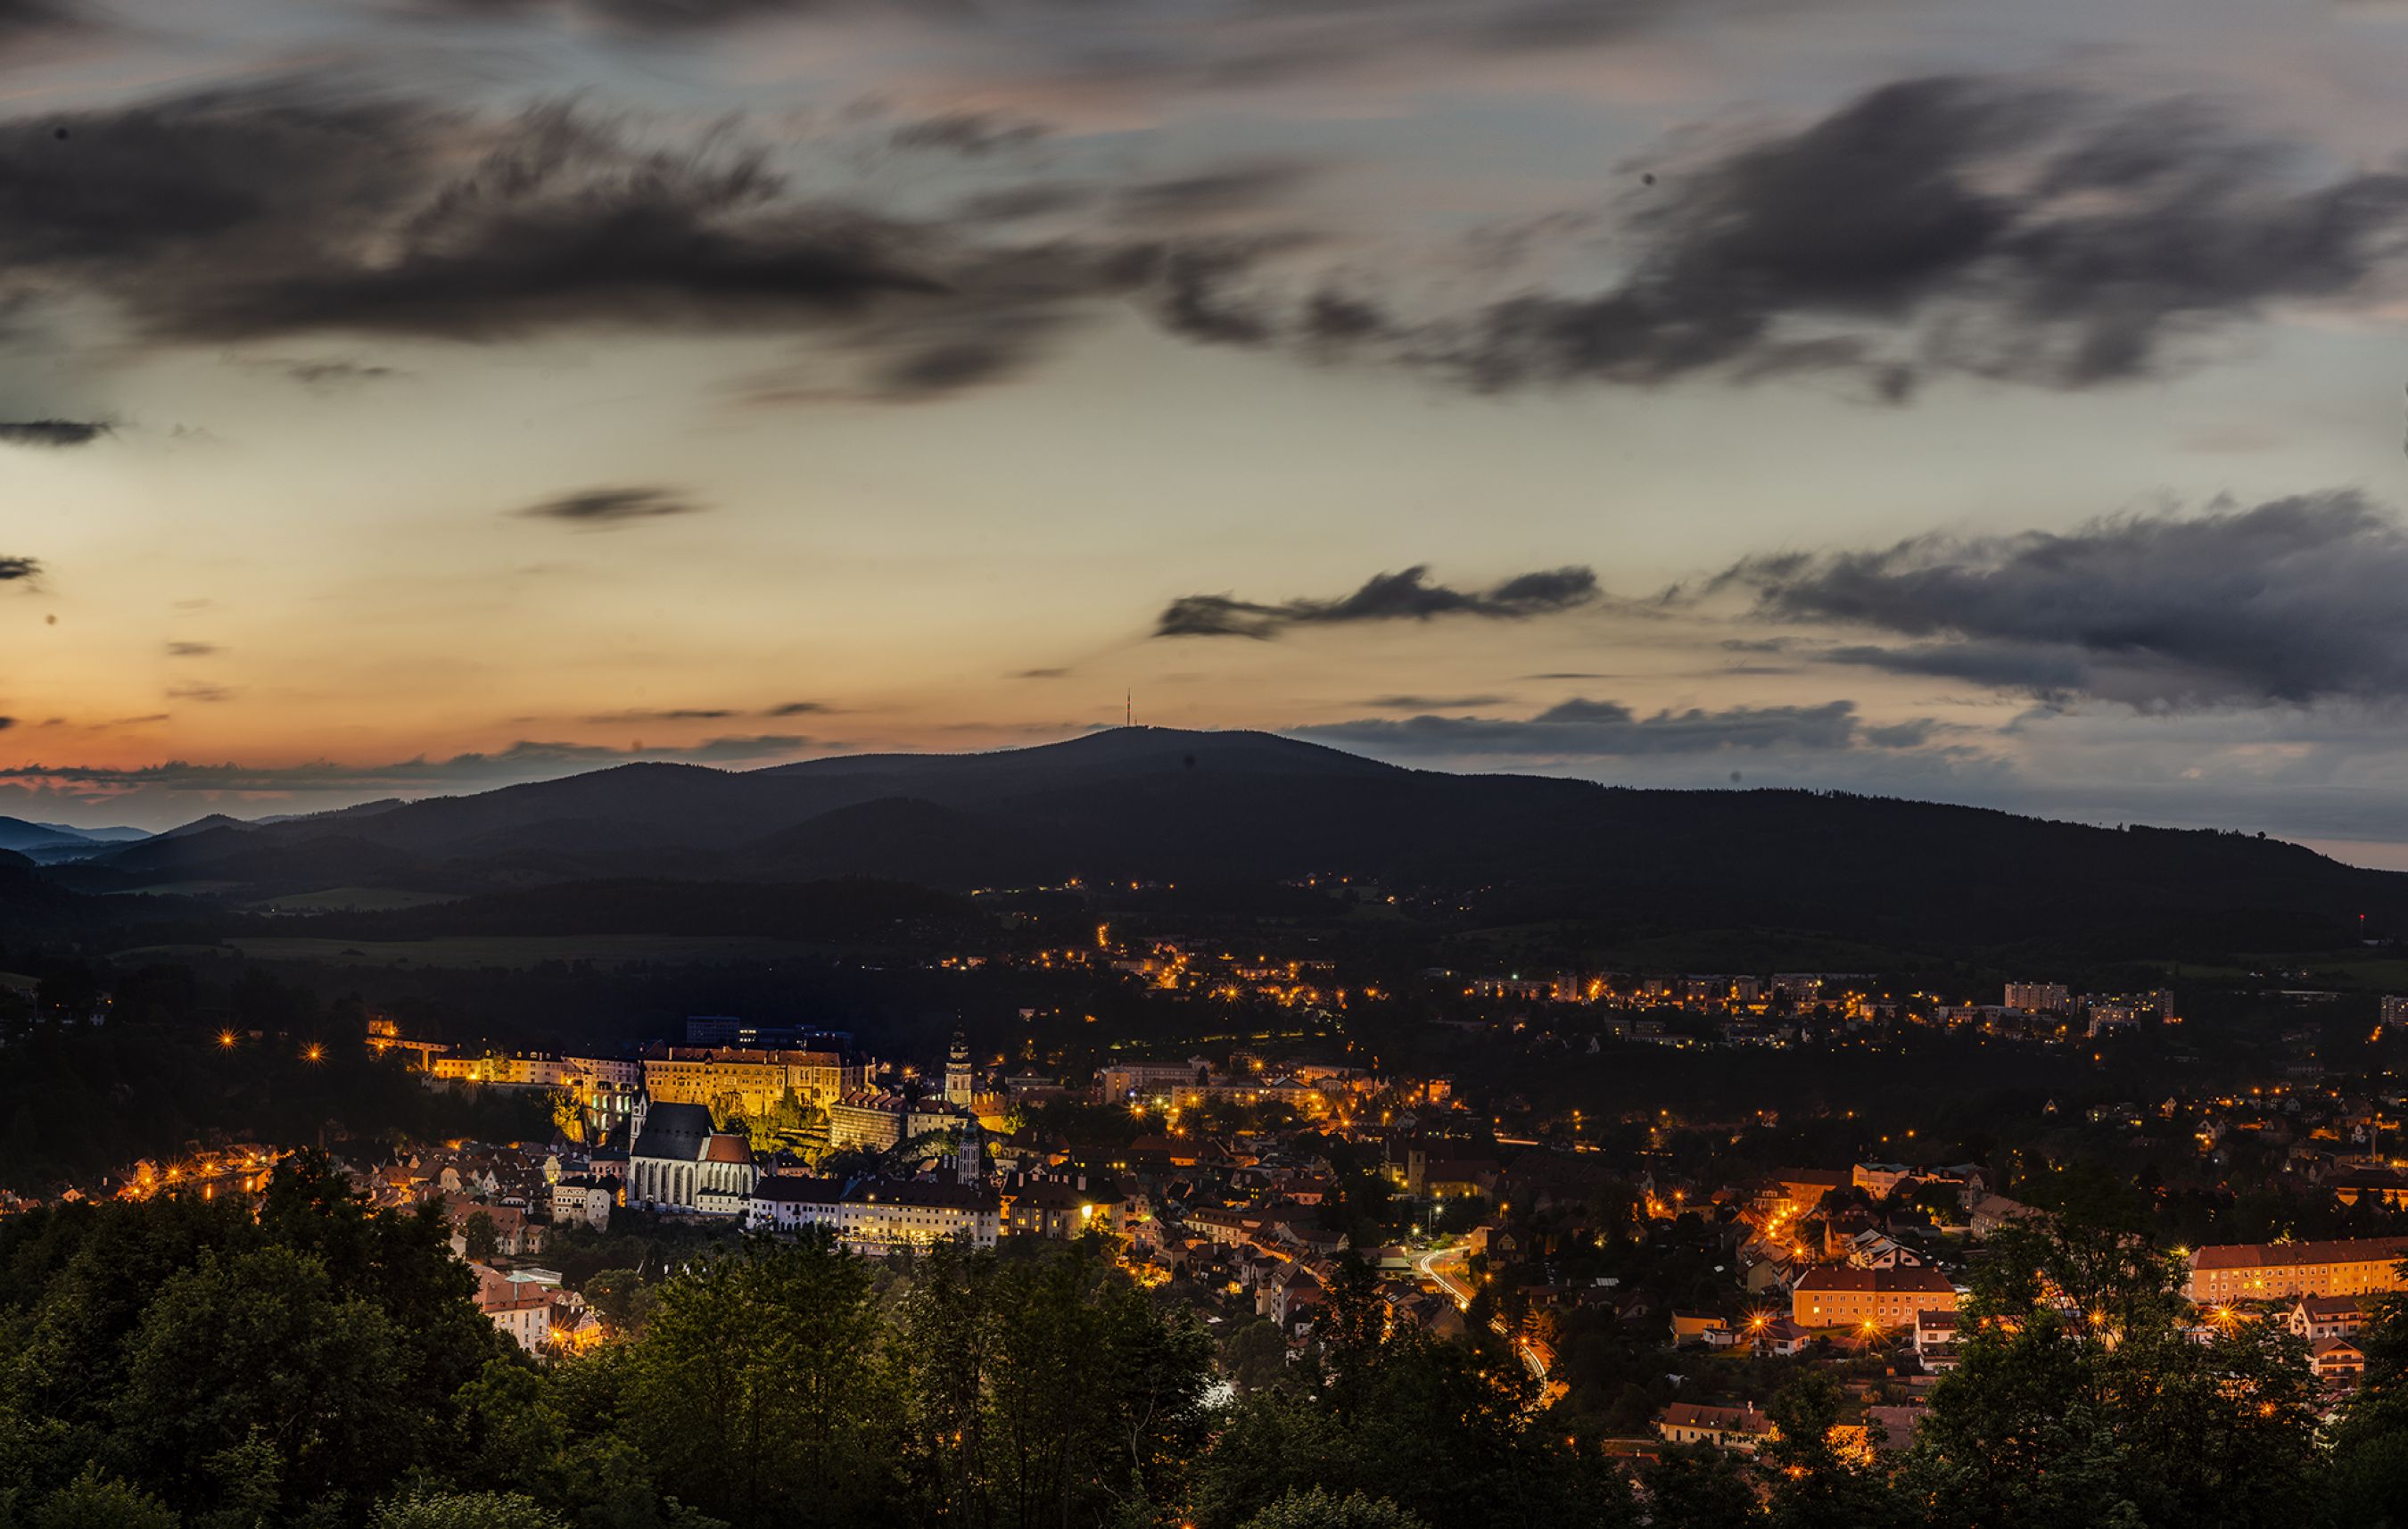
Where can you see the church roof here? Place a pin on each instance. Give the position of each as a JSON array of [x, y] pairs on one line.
[[675, 1133]]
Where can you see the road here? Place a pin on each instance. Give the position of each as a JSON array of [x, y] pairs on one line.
[[1461, 1294]]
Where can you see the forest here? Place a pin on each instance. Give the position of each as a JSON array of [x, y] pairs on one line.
[[174, 1362]]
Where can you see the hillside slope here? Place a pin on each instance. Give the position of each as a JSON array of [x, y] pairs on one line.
[[1158, 804]]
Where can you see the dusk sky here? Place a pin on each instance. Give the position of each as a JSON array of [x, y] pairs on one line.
[[1997, 403]]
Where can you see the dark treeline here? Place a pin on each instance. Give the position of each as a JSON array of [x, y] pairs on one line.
[[170, 1362], [178, 1061]]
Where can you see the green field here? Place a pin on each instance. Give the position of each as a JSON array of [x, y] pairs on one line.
[[497, 950]]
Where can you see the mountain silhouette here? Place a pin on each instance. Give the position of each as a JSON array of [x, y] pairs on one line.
[[1166, 805]]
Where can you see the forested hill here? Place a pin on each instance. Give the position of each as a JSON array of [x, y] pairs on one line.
[[1153, 804]]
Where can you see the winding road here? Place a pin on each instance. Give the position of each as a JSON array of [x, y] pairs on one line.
[[1461, 1294]]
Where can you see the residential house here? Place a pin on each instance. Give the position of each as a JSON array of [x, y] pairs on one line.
[[1742, 1428]]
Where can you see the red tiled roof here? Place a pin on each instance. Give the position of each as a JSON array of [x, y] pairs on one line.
[[2291, 1255], [1840, 1279]]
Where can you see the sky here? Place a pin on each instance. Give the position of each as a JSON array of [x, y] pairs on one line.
[[1995, 404]]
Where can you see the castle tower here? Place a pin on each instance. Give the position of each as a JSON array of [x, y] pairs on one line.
[[957, 1074]]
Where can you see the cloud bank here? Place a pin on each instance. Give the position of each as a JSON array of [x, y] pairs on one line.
[[1600, 730], [2288, 603]]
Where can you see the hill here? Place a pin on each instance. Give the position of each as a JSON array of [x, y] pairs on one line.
[[1155, 804], [49, 842]]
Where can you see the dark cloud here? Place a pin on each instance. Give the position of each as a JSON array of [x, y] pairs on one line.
[[973, 135], [1234, 188], [191, 650], [1933, 226], [240, 216], [1430, 704], [798, 708], [248, 216], [1035, 199], [649, 16], [1604, 729], [1913, 734], [1040, 674], [1217, 42], [2009, 231], [2291, 601], [7, 723], [1194, 300], [601, 509], [21, 18], [1408, 595], [50, 432], [335, 374], [14, 569], [204, 693], [681, 714]]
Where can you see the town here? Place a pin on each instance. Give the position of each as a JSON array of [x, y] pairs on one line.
[[1659, 1273], [1658, 1233]]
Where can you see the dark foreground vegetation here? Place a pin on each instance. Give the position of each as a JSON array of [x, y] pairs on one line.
[[174, 1362]]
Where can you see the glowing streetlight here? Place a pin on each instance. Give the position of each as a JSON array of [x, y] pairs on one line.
[[225, 1040], [313, 1052]]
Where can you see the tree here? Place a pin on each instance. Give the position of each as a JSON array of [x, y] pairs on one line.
[[465, 1510], [2080, 1398], [1817, 1477], [258, 1345], [621, 1297], [552, 1435], [1043, 1390], [1450, 1431], [2368, 1478], [1353, 1330], [1696, 1486], [94, 1501], [483, 1239], [1255, 1355], [1321, 1510], [759, 1386]]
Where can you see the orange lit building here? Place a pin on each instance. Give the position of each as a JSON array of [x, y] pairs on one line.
[[2277, 1271], [1841, 1296]]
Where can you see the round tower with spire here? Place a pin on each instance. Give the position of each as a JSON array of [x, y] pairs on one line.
[[957, 1074]]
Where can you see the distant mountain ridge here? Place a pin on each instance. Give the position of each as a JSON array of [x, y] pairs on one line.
[[49, 842], [1162, 804]]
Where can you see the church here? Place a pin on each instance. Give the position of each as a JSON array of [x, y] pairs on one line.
[[680, 1163]]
